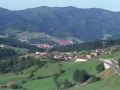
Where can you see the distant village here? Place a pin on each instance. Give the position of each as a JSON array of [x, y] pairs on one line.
[[58, 43]]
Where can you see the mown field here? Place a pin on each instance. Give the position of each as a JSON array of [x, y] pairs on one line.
[[48, 70]]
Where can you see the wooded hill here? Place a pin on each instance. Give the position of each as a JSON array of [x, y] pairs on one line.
[[63, 22], [19, 44]]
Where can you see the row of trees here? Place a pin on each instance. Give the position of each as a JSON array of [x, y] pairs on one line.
[[4, 53], [19, 44], [100, 67], [87, 45]]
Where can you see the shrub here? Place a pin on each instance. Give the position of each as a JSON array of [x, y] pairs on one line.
[[94, 79], [14, 86]]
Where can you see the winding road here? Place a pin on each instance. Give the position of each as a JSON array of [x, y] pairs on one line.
[[111, 65]]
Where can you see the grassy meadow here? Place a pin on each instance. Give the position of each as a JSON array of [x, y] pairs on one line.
[[48, 70]]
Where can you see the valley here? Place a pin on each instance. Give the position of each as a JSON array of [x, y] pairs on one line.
[[49, 70], [59, 48], [60, 23]]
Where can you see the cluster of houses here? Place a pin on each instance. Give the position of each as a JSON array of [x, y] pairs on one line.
[[89, 56], [64, 42], [78, 58], [43, 45]]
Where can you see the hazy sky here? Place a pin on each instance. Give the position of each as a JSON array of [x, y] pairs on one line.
[[113, 5]]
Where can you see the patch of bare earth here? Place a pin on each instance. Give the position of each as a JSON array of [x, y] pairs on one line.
[[8, 84]]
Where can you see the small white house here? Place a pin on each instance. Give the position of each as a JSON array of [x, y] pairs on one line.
[[100, 50], [67, 57], [57, 56], [38, 53], [43, 53], [81, 58], [94, 53]]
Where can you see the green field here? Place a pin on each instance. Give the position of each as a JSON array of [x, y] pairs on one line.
[[106, 36], [115, 55], [43, 84], [89, 66], [48, 70], [110, 81], [19, 51]]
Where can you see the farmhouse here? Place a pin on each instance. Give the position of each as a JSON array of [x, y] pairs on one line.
[[81, 58], [41, 53], [57, 56], [94, 54], [100, 50], [67, 57]]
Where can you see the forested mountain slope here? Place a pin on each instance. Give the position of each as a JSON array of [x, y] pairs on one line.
[[64, 22]]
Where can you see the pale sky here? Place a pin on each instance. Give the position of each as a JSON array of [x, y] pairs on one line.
[[113, 5]]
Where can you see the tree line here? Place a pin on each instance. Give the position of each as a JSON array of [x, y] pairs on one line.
[[16, 65], [87, 45], [5, 52], [19, 44]]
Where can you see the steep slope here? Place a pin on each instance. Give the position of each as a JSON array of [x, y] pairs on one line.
[[85, 24], [64, 22], [7, 16]]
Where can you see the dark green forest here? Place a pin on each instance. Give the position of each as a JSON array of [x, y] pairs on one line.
[[62, 22], [16, 65], [5, 53], [87, 45]]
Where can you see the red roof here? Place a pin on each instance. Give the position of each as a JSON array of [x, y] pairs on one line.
[[82, 57]]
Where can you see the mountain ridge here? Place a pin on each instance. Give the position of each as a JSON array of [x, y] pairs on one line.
[[65, 22]]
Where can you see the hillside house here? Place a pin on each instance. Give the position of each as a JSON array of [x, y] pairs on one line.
[[100, 51], [43, 53], [94, 54], [67, 57], [81, 58], [57, 56]]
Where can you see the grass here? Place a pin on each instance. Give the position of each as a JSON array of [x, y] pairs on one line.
[[110, 81], [110, 56], [30, 35], [89, 66], [52, 68], [29, 70], [10, 31], [9, 77], [32, 55], [74, 39], [106, 36], [48, 70], [18, 50], [42, 84]]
